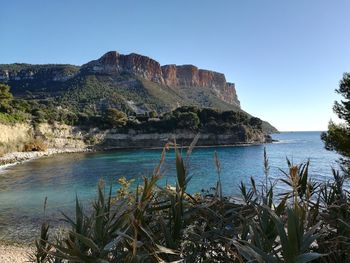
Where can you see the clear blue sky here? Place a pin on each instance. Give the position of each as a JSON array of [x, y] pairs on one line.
[[286, 57]]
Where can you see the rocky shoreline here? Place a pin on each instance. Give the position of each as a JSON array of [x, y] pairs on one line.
[[182, 137], [15, 158]]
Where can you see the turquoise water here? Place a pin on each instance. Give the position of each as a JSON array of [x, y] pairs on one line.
[[23, 188]]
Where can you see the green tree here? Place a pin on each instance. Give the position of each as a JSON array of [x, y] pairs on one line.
[[337, 138], [229, 116], [116, 118], [188, 120], [5, 97], [184, 109], [39, 116], [255, 122], [207, 114]]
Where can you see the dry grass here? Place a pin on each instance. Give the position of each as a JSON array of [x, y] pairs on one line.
[[11, 147], [35, 145]]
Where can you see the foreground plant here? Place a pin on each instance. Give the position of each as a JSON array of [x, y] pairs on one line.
[[310, 222]]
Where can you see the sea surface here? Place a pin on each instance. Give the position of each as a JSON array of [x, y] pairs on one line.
[[60, 178]]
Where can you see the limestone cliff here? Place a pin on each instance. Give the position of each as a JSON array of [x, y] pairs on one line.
[[132, 83], [60, 136], [115, 63], [170, 75], [65, 137], [114, 140], [28, 72]]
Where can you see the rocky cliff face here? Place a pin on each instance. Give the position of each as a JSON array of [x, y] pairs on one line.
[[115, 63], [101, 83], [27, 72], [183, 137], [170, 75], [55, 135]]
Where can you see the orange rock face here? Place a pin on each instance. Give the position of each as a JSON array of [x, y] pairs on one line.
[[113, 62], [169, 75], [187, 75], [211, 79]]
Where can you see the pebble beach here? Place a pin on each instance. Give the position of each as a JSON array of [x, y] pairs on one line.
[[14, 253]]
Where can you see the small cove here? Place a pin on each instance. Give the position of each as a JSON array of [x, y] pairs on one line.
[[60, 178]]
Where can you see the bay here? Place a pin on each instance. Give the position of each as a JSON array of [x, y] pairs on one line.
[[23, 188]]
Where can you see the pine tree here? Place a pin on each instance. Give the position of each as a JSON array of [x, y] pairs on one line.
[[5, 97], [337, 138]]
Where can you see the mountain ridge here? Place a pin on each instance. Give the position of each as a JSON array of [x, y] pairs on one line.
[[133, 83]]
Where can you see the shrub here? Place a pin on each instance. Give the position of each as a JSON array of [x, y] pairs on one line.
[[206, 114], [39, 116], [255, 122], [35, 145], [12, 118], [5, 97], [116, 118], [188, 120], [230, 116]]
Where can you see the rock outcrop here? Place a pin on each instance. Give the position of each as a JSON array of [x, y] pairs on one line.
[[115, 63], [170, 75], [55, 135], [132, 83], [114, 140], [23, 72]]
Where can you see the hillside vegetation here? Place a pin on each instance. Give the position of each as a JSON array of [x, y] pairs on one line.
[[78, 107], [76, 95]]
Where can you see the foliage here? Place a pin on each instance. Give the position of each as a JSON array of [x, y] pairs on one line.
[[35, 145], [197, 120], [188, 120], [7, 118], [116, 118], [255, 122], [337, 138], [57, 89], [153, 223], [88, 103], [5, 97]]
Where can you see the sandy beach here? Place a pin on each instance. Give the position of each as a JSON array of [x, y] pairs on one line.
[[14, 253]]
